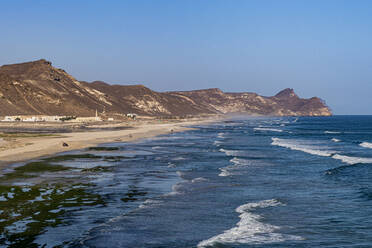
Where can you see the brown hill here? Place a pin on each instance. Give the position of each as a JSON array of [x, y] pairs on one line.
[[39, 88]]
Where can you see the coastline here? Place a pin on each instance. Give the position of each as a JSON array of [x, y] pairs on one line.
[[49, 145]]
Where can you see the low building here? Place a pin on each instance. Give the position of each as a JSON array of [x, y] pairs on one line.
[[52, 118], [88, 119], [12, 118], [36, 118]]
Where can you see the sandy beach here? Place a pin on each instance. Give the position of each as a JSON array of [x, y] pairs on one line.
[[27, 148]]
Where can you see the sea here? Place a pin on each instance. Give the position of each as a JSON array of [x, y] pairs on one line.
[[240, 182]]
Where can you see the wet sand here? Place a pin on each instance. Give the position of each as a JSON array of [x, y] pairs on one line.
[[27, 148]]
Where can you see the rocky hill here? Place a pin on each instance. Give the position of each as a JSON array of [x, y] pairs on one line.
[[39, 88]]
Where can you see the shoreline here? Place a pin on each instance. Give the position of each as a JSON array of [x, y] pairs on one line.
[[49, 145]]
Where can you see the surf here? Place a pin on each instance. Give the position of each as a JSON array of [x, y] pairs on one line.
[[250, 229]]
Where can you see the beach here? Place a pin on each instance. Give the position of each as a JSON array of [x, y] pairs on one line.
[[31, 146], [253, 182]]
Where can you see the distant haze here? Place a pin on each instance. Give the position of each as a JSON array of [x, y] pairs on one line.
[[319, 48]]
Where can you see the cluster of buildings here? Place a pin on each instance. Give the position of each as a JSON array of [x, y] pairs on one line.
[[46, 118], [57, 118]]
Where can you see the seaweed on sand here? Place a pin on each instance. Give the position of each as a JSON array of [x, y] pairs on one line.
[[25, 212], [133, 194], [30, 169], [103, 148]]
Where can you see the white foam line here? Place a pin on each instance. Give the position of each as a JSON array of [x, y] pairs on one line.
[[225, 172], [336, 140], [267, 129], [352, 160], [221, 135], [231, 169], [150, 203], [240, 161], [331, 132], [217, 143], [249, 229], [229, 152], [298, 147], [366, 145]]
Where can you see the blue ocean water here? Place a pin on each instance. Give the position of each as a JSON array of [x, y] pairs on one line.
[[245, 182]]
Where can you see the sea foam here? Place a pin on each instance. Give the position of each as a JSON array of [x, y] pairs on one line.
[[232, 169], [217, 143], [150, 203], [295, 145], [366, 145], [249, 230], [331, 132], [229, 152], [240, 161], [267, 129], [225, 172], [221, 135], [352, 160]]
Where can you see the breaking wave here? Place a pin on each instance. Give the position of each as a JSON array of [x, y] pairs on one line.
[[352, 160], [336, 140], [150, 203], [366, 145], [267, 129], [331, 132], [225, 172], [217, 143], [294, 145], [221, 135], [229, 152], [249, 229], [232, 169], [240, 161]]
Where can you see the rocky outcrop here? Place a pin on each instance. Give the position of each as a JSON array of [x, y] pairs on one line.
[[285, 103], [39, 88]]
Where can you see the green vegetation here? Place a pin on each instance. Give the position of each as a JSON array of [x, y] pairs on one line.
[[68, 157], [103, 148], [30, 169], [47, 165], [26, 211], [97, 169], [133, 194], [114, 158]]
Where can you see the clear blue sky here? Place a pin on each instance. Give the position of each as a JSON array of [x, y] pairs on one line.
[[319, 48]]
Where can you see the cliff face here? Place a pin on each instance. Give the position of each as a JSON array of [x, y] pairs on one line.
[[285, 103], [39, 88]]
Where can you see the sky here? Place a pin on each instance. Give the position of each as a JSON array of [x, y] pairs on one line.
[[320, 48]]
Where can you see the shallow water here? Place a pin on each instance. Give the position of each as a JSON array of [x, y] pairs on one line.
[[254, 182]]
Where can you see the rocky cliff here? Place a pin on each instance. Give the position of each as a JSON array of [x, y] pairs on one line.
[[39, 88]]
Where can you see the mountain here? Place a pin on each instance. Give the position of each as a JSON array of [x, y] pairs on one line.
[[39, 88]]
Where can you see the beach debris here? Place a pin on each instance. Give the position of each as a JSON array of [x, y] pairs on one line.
[[130, 136], [64, 144], [171, 130]]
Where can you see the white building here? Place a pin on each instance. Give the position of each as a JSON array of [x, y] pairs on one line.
[[11, 118]]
